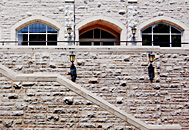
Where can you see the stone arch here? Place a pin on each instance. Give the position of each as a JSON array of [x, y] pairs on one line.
[[108, 24], [163, 19], [34, 19]]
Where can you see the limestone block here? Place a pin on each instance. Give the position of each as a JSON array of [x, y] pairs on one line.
[[21, 105], [12, 96], [99, 120], [31, 92], [30, 99], [6, 86], [178, 112], [47, 99], [156, 86], [117, 72], [18, 67], [80, 62], [104, 89], [17, 113], [28, 84], [68, 100], [52, 65], [174, 85], [164, 74], [141, 109], [86, 125], [8, 123], [17, 85], [45, 55], [126, 58], [29, 13], [53, 117], [122, 12], [38, 116], [99, 4], [144, 64], [107, 126], [119, 100], [79, 102], [93, 80], [123, 83]]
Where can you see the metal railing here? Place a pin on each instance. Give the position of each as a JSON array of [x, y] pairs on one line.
[[90, 43]]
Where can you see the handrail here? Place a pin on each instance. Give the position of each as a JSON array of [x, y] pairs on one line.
[[78, 43]]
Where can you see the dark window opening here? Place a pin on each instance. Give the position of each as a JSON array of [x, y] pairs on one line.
[[37, 34], [97, 37], [162, 35]]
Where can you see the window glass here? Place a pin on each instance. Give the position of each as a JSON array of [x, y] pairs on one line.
[[96, 43], [37, 34], [108, 43], [148, 30], [85, 44], [23, 30], [174, 30], [147, 40], [99, 37], [176, 40], [37, 28], [39, 39], [23, 39], [161, 28], [51, 30], [51, 39], [105, 34], [96, 33], [162, 35], [88, 34], [162, 40]]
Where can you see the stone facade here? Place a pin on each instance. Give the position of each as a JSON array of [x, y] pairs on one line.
[[39, 105], [118, 75]]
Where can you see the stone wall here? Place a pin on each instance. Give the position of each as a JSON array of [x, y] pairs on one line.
[[119, 76], [49, 105], [115, 9], [146, 9], [13, 11], [143, 10], [128, 14]]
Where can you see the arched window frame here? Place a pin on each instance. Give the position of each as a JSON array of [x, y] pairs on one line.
[[176, 23], [46, 33], [108, 20], [99, 40], [38, 18], [165, 34]]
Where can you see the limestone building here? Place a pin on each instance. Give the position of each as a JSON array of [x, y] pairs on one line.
[[117, 87]]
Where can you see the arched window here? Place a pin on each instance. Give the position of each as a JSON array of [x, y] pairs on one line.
[[163, 35], [97, 37], [37, 34]]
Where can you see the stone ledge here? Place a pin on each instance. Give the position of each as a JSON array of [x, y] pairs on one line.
[[86, 94]]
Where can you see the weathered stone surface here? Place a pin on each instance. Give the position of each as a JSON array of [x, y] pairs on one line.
[[28, 84], [68, 100], [21, 105], [8, 123], [17, 113], [17, 85], [13, 96], [126, 57]]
